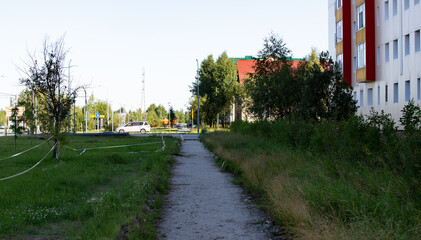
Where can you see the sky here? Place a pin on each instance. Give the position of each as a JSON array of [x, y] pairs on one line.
[[111, 42]]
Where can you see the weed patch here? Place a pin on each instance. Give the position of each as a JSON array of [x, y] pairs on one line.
[[314, 191]]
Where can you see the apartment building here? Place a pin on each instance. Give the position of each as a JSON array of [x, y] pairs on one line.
[[378, 44]]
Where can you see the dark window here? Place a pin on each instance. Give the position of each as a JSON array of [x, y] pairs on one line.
[[395, 49], [395, 7], [395, 93], [386, 93], [407, 91]]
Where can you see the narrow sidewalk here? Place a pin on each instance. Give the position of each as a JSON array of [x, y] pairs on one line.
[[203, 203]]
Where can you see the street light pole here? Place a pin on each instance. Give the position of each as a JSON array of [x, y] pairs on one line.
[[70, 111], [86, 112], [197, 78]]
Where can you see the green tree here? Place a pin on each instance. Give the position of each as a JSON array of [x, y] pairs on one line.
[[193, 104], [218, 85], [161, 113], [153, 118], [2, 117], [273, 87], [180, 116], [411, 118], [324, 94], [25, 100], [47, 77], [172, 116], [16, 123], [313, 58]]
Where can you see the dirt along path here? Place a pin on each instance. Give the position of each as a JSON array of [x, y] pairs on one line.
[[203, 203]]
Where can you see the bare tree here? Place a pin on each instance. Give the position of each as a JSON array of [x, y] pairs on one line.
[[47, 77]]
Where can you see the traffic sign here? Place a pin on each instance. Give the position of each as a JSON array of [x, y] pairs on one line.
[[97, 115]]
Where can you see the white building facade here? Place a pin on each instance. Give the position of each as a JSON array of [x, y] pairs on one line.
[[378, 43]]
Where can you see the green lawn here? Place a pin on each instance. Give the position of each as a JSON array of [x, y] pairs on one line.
[[89, 196]]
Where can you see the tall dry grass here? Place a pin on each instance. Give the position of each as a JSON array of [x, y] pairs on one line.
[[311, 196]]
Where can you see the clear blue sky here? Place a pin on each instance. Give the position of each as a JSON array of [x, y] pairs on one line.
[[111, 41]]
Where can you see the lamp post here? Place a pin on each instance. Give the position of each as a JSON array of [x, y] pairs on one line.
[[198, 112], [86, 112]]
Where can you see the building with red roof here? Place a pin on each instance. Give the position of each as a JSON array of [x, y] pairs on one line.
[[245, 66]]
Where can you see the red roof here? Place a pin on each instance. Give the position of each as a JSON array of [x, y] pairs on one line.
[[247, 66], [244, 68]]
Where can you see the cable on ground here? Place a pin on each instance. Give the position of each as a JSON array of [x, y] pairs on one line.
[[29, 169], [27, 150]]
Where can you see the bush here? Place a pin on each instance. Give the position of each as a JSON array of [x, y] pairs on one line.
[[411, 118], [373, 141]]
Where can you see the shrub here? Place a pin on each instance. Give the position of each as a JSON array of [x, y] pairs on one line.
[[411, 118]]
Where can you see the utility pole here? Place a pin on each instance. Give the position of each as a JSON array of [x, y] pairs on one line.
[[108, 114], [198, 112], [86, 112], [34, 110]]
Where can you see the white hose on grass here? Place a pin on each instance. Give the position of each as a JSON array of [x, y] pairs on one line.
[[163, 147], [27, 150], [29, 169], [82, 151]]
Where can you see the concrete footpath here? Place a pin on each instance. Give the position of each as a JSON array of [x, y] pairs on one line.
[[203, 203]]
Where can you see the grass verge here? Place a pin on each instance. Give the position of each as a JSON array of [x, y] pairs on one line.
[[318, 196], [101, 194]]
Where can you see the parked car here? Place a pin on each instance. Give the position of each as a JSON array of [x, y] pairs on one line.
[[142, 127], [2, 126]]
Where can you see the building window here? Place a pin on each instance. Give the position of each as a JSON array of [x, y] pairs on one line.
[[417, 41], [370, 97], [406, 4], [378, 56], [395, 7], [378, 16], [386, 52], [361, 98], [361, 17], [407, 91], [338, 4], [407, 48], [354, 64], [419, 88], [361, 55], [378, 95], [386, 11], [354, 29], [339, 60], [395, 49], [339, 31], [395, 93], [386, 93], [354, 96]]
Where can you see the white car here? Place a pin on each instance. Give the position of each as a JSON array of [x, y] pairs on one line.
[[142, 127]]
